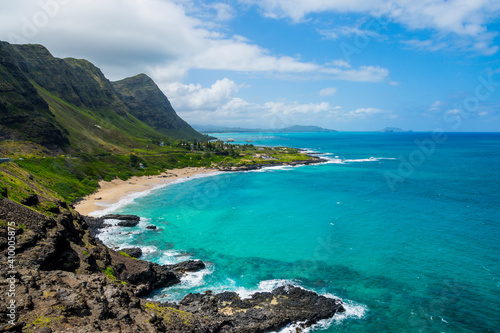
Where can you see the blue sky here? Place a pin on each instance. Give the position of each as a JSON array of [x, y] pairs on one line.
[[345, 64]]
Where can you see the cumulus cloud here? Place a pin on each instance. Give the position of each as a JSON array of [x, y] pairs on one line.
[[219, 105], [466, 19], [194, 97], [166, 36]]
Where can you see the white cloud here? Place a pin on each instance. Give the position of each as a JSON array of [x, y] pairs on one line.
[[363, 112], [339, 63], [294, 108], [436, 106], [168, 37], [362, 74], [219, 105], [328, 91], [194, 97], [464, 18], [350, 31]]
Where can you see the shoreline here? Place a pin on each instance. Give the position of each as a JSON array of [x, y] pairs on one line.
[[111, 193]]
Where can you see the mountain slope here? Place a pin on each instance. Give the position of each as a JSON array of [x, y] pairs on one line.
[[24, 115], [78, 82], [148, 103], [63, 101]]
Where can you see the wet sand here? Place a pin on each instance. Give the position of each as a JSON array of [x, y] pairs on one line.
[[112, 192]]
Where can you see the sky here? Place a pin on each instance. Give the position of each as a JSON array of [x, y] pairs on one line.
[[349, 65]]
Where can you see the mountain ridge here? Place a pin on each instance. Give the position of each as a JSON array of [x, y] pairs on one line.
[[68, 103]]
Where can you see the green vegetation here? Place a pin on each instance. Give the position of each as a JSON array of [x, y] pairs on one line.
[[42, 321], [171, 315], [77, 176], [110, 272], [126, 255]]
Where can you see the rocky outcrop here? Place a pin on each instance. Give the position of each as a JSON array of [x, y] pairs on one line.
[[68, 281], [263, 312], [121, 217], [134, 252], [258, 166]]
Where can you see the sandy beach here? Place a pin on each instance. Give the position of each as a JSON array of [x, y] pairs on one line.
[[112, 192]]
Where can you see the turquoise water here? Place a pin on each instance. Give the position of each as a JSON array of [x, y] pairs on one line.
[[404, 227]]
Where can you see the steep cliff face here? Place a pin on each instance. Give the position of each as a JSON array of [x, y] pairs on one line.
[[148, 103], [24, 115], [70, 102], [75, 81]]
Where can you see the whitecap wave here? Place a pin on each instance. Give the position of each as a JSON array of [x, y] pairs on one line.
[[353, 310], [341, 160], [274, 168], [189, 282]]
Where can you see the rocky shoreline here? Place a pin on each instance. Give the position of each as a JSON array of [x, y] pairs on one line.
[[257, 166], [66, 280]]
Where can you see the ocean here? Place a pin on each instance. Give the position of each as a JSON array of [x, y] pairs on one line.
[[403, 227]]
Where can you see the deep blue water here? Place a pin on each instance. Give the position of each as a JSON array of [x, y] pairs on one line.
[[404, 227]]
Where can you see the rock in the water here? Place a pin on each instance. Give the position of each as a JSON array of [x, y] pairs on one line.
[[122, 217], [135, 252], [188, 266], [151, 227], [128, 223]]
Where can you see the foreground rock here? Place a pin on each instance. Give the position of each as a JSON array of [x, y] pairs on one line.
[[68, 281], [263, 312]]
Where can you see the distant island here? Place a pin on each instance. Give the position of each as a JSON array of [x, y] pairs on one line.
[[394, 129], [291, 129]]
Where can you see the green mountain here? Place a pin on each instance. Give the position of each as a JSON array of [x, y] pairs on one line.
[[148, 103], [24, 114], [69, 104]]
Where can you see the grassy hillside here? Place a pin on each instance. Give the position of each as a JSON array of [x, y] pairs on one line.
[[97, 132]]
